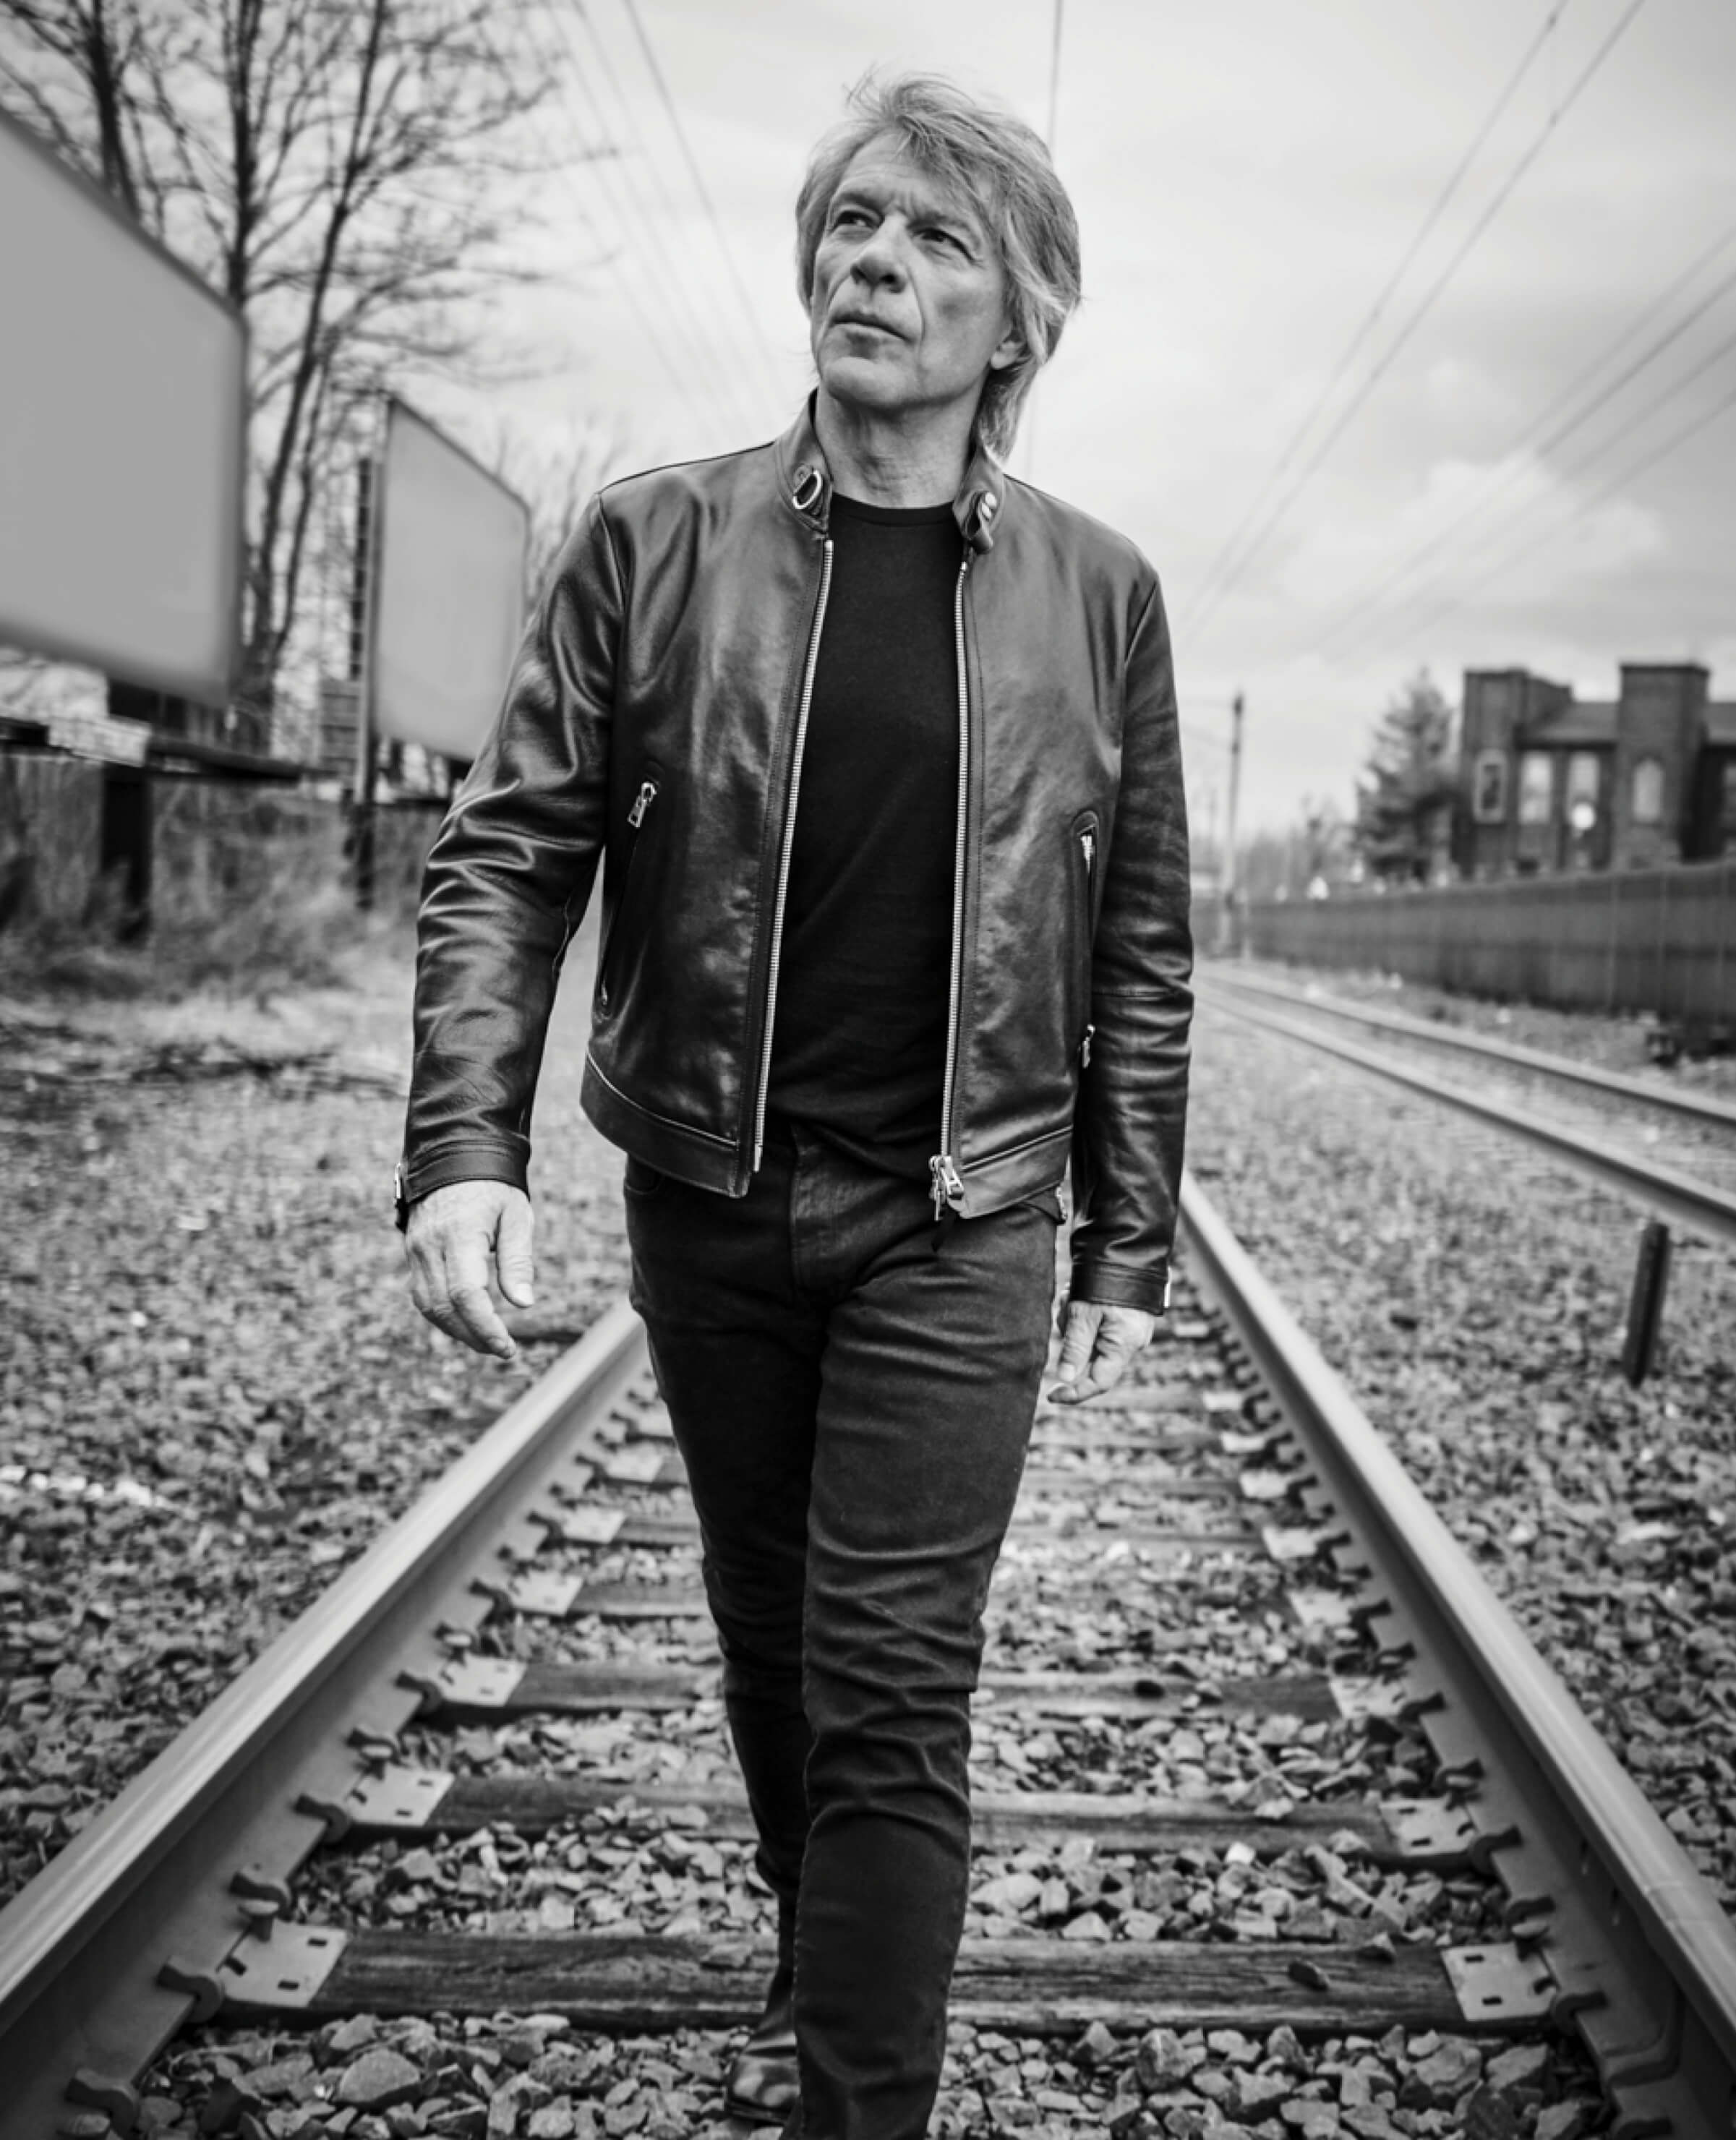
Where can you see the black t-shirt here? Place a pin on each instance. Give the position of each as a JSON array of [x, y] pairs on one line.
[[859, 1046]]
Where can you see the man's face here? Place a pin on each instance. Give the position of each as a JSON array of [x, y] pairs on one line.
[[909, 309]]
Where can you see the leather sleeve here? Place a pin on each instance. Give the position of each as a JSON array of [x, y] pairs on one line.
[[1132, 1110], [508, 881]]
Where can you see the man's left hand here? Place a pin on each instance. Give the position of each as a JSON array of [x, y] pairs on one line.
[[1097, 1344]]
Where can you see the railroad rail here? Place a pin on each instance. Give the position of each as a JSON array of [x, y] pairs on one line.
[[1701, 1206], [1238, 1446], [1704, 1109]]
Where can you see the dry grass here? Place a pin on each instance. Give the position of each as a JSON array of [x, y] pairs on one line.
[[280, 931]]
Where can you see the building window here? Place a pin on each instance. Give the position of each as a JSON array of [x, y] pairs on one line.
[[1537, 787], [1649, 792], [1488, 787], [1584, 780]]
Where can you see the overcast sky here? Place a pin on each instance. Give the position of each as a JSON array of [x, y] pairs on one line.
[[1248, 176]]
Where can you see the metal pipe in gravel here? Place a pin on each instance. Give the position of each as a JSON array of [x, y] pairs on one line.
[[1677, 1910], [1703, 1209]]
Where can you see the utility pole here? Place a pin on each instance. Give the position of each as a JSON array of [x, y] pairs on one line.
[[1030, 440], [1227, 934]]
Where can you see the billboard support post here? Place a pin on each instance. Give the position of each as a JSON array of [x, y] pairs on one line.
[[442, 612], [369, 499]]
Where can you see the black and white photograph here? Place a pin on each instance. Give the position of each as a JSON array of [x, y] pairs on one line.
[[867, 1070]]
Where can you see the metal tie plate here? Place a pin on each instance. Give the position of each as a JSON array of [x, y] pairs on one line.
[[398, 1799], [1499, 1983], [1315, 1606], [283, 1973], [549, 1596], [633, 1467], [471, 1682], [1368, 1701], [1293, 1542], [587, 1526], [1433, 1834]]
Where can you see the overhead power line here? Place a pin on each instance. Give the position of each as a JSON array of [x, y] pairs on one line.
[[1714, 358], [1208, 604], [1649, 459], [1054, 79], [1533, 440], [1377, 312], [653, 166], [680, 377], [651, 255], [756, 324]]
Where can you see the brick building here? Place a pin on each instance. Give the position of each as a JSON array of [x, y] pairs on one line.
[[1550, 781]]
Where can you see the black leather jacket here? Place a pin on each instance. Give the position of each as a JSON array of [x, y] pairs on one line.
[[655, 719]]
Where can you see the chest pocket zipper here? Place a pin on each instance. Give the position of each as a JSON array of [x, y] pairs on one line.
[[613, 943], [1086, 838]]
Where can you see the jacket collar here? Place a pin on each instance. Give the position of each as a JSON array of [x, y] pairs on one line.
[[804, 484]]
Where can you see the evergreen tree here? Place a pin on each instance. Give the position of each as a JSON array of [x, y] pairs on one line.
[[1405, 798]]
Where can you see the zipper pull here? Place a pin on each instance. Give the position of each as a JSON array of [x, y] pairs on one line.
[[642, 801], [948, 1188], [1088, 848], [1085, 1047]]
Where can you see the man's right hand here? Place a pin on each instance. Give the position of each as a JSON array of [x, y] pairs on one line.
[[453, 1234]]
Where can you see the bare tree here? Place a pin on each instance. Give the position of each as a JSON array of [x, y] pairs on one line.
[[350, 173], [557, 485]]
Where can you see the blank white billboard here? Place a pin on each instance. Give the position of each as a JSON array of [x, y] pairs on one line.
[[449, 596], [122, 415]]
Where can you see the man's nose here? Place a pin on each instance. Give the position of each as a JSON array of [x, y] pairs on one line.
[[881, 260]]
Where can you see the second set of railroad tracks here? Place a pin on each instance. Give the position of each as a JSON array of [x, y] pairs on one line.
[[1234, 1480], [1589, 1117]]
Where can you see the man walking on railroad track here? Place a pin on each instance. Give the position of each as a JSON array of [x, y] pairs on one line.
[[877, 748]]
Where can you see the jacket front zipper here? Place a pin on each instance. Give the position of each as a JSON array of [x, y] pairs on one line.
[[784, 857], [946, 1183], [636, 816]]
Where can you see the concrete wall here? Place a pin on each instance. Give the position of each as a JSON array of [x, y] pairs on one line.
[[51, 836]]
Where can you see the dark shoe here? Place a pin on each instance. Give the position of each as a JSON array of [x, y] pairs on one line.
[[763, 2086]]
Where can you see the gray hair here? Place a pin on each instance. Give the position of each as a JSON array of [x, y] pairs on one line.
[[1002, 166]]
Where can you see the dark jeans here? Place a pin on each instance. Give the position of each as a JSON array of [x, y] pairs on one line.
[[853, 1402]]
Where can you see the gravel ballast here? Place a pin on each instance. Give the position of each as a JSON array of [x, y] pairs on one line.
[[1474, 1295], [218, 1394], [215, 1392]]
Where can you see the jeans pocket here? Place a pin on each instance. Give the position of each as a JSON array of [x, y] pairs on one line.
[[642, 1179]]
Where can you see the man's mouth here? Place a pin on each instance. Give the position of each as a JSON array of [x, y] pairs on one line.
[[861, 320]]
